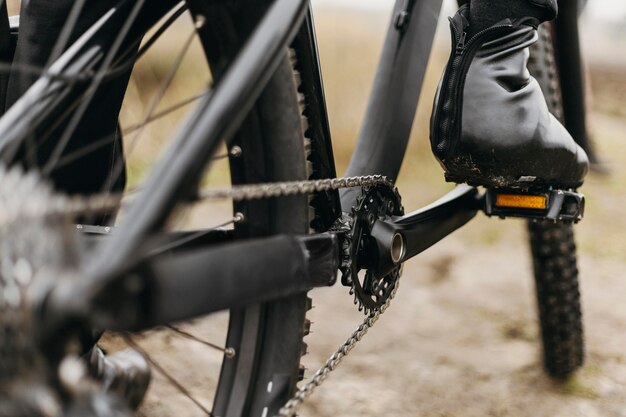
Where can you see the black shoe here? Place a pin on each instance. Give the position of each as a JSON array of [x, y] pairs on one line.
[[491, 125], [125, 373]]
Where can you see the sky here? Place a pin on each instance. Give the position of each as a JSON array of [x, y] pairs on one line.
[[611, 10]]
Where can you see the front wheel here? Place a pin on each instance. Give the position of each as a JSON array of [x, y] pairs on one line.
[[558, 297], [554, 249]]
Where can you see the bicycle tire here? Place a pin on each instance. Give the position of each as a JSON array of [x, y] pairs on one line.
[[553, 249], [277, 340], [267, 338]]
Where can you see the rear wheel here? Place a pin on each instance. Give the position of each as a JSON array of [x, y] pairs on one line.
[[260, 373], [554, 249]]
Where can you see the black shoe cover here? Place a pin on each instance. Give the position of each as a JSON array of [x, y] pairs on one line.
[[491, 125]]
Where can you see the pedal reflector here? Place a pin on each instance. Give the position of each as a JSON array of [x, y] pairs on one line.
[[551, 204], [532, 202]]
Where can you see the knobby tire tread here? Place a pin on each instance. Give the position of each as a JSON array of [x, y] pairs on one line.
[[553, 249], [280, 128]]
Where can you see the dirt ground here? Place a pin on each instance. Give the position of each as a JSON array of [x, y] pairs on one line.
[[461, 338]]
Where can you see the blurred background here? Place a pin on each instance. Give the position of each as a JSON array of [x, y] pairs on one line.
[[461, 338]]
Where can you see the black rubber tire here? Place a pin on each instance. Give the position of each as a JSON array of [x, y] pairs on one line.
[[558, 297], [269, 352], [553, 250], [268, 339]]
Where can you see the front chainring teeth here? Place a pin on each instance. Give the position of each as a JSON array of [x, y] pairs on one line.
[[344, 226], [376, 202]]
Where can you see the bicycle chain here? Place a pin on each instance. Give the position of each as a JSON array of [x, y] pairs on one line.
[[260, 191], [75, 206], [283, 189], [292, 406], [251, 192]]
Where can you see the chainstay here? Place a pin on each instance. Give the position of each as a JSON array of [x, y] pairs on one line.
[[292, 406], [58, 205]]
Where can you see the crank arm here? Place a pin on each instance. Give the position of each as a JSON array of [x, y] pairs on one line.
[[400, 239]]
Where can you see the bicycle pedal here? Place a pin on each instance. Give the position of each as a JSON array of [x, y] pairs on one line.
[[554, 205]]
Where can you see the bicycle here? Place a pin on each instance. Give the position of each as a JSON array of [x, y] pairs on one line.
[[290, 210]]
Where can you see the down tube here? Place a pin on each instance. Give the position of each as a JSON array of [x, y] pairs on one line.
[[391, 109]]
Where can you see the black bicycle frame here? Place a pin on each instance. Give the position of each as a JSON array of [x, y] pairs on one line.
[[177, 176], [572, 76], [313, 261], [387, 127], [306, 262]]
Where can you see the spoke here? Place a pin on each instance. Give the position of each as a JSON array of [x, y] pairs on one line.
[[165, 84], [100, 143], [93, 88], [165, 112], [181, 8], [85, 150], [7, 68], [173, 381], [89, 75], [123, 64], [227, 351], [54, 125], [119, 165], [194, 236], [64, 37], [31, 151], [127, 60]]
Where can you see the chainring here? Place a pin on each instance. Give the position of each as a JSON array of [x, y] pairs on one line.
[[378, 202]]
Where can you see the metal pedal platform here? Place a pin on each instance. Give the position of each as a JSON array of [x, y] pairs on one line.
[[555, 205]]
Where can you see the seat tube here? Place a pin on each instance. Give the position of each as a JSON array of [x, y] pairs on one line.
[[395, 94]]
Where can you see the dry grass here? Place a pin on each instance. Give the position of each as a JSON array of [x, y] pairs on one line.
[[350, 44], [349, 55], [349, 51]]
